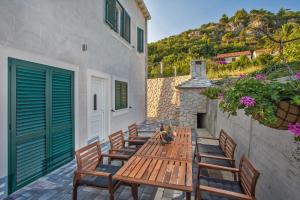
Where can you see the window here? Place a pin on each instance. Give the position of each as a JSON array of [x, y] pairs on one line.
[[140, 40], [118, 19], [233, 59], [121, 95]]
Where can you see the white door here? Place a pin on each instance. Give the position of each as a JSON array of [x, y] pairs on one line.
[[98, 108]]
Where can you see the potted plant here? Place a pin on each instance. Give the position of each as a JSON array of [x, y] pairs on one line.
[[271, 103]]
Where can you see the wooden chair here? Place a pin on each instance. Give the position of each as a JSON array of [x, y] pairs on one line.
[[223, 156], [91, 172], [118, 147], [212, 188], [134, 137], [209, 148]]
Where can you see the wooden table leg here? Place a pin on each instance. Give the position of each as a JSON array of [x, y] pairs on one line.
[[188, 195], [135, 191]]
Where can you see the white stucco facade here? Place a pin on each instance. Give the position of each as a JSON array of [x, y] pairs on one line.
[[52, 33]]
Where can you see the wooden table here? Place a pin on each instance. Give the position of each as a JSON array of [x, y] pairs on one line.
[[167, 166]]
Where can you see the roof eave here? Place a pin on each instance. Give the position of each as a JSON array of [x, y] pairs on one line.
[[144, 9]]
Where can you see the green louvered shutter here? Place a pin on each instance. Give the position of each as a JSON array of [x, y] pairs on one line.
[[111, 14], [40, 119], [118, 87], [126, 26], [124, 95], [121, 95], [140, 40], [29, 123], [61, 137]]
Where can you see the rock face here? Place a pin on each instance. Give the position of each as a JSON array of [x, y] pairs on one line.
[[163, 97]]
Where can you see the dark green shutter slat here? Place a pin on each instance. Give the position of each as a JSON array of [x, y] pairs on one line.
[[110, 14], [41, 115]]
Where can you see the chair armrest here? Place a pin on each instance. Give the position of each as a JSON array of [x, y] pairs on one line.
[[226, 193], [134, 140], [215, 157], [150, 131], [116, 156], [124, 150], [208, 138], [217, 167], [93, 173]]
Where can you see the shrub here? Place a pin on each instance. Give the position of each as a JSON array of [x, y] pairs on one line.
[[213, 92], [265, 59]]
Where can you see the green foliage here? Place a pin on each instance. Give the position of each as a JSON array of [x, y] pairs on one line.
[[265, 59], [266, 95], [230, 34], [213, 92]]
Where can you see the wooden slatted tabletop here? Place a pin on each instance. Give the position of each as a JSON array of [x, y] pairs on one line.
[[168, 166]]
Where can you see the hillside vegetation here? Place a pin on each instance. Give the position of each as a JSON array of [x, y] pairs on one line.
[[243, 31]]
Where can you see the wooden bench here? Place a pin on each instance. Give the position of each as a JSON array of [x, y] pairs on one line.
[[91, 172], [212, 188]]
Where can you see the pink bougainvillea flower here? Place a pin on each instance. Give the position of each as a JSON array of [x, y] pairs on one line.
[[297, 76], [295, 129], [242, 75], [260, 76], [247, 101], [221, 96]]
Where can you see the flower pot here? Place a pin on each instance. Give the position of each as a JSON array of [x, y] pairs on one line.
[[286, 113]]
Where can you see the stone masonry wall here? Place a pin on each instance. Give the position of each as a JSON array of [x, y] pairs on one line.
[[163, 97], [191, 103], [273, 152]]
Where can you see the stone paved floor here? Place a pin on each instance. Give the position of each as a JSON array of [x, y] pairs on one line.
[[58, 185]]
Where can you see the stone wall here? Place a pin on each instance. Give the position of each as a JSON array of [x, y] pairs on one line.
[[191, 103], [163, 97], [273, 152]]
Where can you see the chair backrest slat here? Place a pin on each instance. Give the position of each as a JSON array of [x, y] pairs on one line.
[[117, 140], [248, 176], [89, 157], [230, 146], [222, 139], [133, 130]]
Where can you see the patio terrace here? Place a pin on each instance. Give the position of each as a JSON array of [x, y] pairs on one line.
[[58, 184]]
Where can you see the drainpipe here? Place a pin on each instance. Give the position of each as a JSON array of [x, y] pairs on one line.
[[146, 66]]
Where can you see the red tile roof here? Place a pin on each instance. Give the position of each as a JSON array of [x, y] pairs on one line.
[[234, 54]]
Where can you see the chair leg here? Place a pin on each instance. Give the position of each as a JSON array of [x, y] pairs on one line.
[[111, 196], [134, 190], [74, 195]]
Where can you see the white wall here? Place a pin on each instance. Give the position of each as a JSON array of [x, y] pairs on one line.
[[52, 32], [273, 152]]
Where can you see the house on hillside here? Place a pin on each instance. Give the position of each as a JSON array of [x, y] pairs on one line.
[[72, 72], [230, 57]]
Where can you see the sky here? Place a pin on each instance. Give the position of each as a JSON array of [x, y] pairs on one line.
[[171, 17]]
